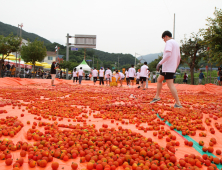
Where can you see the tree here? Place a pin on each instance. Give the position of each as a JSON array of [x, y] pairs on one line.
[[212, 38], [33, 51], [68, 64], [192, 52], [153, 64], [8, 45]]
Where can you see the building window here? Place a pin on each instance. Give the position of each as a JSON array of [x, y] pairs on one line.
[[50, 58]]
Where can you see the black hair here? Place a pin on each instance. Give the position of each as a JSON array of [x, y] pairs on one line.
[[166, 33], [145, 62], [219, 68], [132, 65], [74, 69], [107, 67], [80, 67]]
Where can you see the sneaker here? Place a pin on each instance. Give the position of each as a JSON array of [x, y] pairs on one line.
[[177, 106], [155, 100], [53, 85]]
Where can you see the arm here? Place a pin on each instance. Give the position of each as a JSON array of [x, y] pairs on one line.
[[165, 57]]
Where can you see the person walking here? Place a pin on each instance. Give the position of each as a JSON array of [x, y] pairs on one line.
[[154, 78], [201, 76], [127, 77], [219, 74], [132, 74], [53, 72], [80, 74], [95, 75], [138, 77], [143, 74], [108, 76], [74, 74], [185, 77], [101, 76], [170, 62], [12, 70]]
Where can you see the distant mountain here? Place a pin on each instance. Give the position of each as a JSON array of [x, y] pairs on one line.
[[6, 29], [149, 57]]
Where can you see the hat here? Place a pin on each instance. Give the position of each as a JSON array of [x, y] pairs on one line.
[[101, 67]]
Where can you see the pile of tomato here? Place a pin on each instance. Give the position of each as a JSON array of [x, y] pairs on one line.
[[105, 147]]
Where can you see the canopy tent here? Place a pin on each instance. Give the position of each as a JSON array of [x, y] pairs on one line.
[[84, 66]]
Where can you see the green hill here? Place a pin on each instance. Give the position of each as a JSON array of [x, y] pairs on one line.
[[101, 58], [6, 29]]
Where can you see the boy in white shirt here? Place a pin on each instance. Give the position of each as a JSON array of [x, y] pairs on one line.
[[95, 75], [101, 75], [138, 77], [143, 74], [170, 62], [120, 76], [132, 73], [108, 76], [127, 76], [81, 74]]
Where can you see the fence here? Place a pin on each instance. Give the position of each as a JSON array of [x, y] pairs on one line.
[[196, 80]]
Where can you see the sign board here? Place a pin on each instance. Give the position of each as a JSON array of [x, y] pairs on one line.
[[88, 60], [74, 49], [85, 41]]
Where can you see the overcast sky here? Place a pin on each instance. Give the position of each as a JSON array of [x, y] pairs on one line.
[[121, 26]]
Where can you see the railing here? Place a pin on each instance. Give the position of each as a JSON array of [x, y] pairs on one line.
[[196, 80]]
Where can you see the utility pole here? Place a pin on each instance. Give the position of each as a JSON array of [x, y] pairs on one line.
[[135, 60], [118, 62], [20, 46], [174, 27], [93, 61], [67, 55]]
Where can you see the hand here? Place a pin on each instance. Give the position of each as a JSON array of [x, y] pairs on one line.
[[158, 67]]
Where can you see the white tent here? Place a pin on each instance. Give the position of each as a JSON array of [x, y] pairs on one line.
[[84, 66]]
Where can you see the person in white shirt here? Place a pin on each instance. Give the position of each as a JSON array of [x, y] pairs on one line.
[[138, 77], [147, 79], [143, 74], [170, 62], [154, 77], [101, 76], [119, 76], [74, 74], [81, 74], [127, 76], [95, 75], [108, 76], [132, 74]]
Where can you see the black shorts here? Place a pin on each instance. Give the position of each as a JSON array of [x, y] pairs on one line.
[[167, 75], [143, 78], [131, 78], [94, 79]]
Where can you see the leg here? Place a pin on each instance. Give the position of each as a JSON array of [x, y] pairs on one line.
[[159, 86], [173, 90], [102, 81]]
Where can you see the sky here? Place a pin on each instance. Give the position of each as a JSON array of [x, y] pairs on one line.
[[121, 26]]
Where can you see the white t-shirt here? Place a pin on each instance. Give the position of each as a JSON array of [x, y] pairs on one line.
[[122, 75], [74, 73], [101, 73], [132, 72], [80, 72], [117, 76], [108, 73], [143, 71], [127, 74], [94, 73], [137, 75], [154, 76], [170, 61]]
